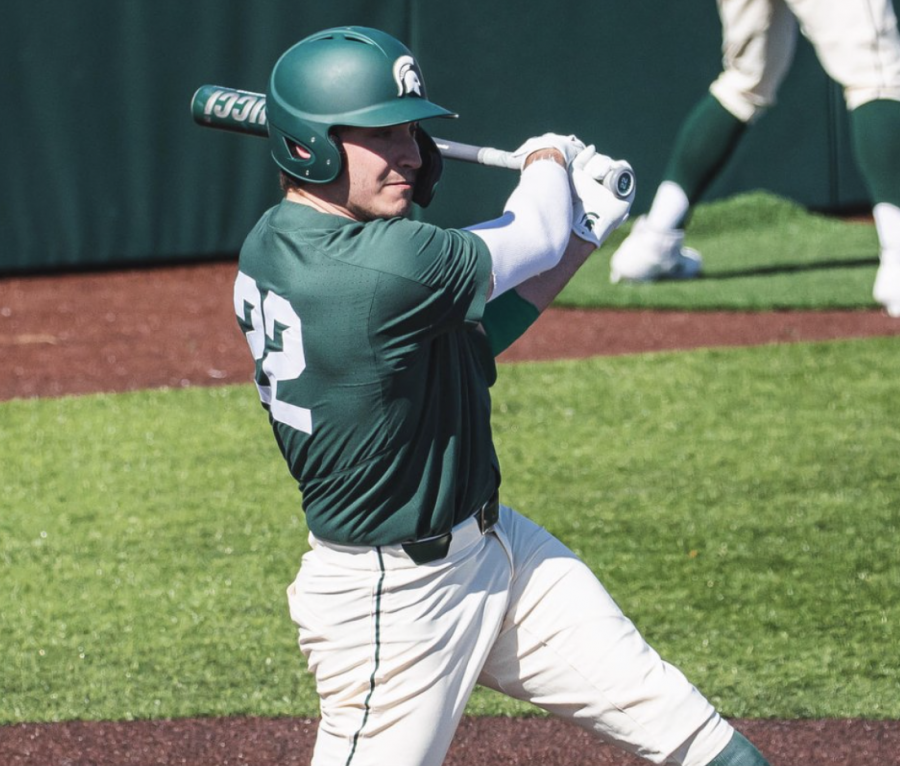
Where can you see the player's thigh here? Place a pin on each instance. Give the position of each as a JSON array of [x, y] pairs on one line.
[[758, 43], [567, 647], [396, 651], [857, 44]]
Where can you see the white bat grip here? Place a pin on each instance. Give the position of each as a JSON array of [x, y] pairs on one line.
[[620, 181], [483, 155], [497, 158]]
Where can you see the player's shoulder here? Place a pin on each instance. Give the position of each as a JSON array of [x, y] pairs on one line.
[[393, 243], [406, 233], [418, 237], [421, 250]]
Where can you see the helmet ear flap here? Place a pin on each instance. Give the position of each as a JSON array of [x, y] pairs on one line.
[[432, 167]]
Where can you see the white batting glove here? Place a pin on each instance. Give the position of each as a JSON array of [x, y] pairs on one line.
[[596, 211], [568, 146]]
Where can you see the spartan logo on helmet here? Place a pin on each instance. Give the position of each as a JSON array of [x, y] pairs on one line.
[[406, 74]]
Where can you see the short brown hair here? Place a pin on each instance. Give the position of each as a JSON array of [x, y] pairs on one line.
[[288, 182]]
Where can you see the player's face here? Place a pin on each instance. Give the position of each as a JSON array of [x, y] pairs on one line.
[[380, 170]]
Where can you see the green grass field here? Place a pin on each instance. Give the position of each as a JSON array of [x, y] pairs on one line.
[[741, 505]]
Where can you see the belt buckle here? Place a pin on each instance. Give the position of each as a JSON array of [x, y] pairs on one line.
[[437, 547]]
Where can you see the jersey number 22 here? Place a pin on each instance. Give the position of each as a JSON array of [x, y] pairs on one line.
[[262, 319]]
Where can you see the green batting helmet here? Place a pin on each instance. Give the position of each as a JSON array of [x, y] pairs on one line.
[[354, 76]]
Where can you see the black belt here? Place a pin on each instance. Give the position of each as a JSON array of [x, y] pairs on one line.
[[435, 548]]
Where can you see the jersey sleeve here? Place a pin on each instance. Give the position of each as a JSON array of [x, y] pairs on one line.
[[439, 277]]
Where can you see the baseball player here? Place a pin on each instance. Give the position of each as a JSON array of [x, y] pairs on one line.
[[374, 338], [858, 45]]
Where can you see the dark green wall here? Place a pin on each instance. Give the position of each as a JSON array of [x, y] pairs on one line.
[[104, 166]]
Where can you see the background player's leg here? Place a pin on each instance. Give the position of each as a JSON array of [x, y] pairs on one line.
[[655, 248], [706, 141], [859, 46], [758, 43], [876, 141]]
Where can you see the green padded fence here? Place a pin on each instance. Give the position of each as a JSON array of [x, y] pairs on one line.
[[104, 167]]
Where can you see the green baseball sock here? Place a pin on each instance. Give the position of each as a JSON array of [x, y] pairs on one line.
[[875, 127], [706, 140], [739, 752]]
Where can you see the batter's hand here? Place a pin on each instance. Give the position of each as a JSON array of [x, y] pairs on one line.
[[568, 146], [596, 211]]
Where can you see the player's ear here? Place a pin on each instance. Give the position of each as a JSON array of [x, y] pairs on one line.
[[430, 172]]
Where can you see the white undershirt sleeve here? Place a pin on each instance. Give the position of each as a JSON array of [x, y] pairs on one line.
[[533, 232]]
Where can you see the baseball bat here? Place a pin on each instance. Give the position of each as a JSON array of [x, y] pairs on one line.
[[242, 111]]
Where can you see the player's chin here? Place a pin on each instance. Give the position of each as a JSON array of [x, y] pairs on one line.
[[398, 199]]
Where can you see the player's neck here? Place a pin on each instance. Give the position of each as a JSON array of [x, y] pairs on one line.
[[303, 197]]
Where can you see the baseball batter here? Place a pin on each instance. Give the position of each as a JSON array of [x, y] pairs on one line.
[[858, 45], [374, 338]]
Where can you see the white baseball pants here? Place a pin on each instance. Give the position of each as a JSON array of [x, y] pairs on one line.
[[856, 41], [396, 649]]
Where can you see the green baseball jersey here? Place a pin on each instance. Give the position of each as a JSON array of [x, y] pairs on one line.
[[371, 364]]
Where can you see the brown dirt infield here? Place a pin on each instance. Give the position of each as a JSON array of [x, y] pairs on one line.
[[173, 326]]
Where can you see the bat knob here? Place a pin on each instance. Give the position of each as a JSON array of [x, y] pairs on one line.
[[620, 181]]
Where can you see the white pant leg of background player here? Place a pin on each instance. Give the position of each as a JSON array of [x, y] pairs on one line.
[[857, 43], [759, 39]]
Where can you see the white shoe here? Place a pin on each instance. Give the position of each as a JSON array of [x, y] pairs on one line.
[[887, 282], [650, 254]]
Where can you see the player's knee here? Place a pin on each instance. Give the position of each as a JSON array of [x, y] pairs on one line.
[[739, 752], [744, 103]]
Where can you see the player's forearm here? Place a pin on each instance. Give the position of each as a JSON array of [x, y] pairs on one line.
[[541, 290], [509, 317]]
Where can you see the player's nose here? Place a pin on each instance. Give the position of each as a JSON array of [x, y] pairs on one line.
[[408, 154]]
